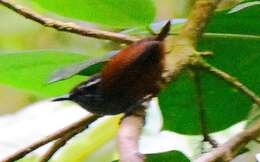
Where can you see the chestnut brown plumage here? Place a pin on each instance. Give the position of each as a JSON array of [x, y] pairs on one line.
[[130, 78]]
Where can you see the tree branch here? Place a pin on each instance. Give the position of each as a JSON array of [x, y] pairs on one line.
[[231, 148], [60, 133], [184, 44], [128, 136], [231, 80], [201, 109], [67, 26], [198, 19], [60, 143]]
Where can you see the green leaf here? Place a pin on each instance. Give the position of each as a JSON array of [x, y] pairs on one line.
[[224, 104], [178, 104], [171, 156], [114, 13], [178, 107], [243, 6], [30, 70], [245, 21]]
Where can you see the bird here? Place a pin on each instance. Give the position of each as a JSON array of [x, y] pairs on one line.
[[131, 78]]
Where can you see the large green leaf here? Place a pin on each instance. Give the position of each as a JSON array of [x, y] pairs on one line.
[[245, 21], [115, 13], [178, 103], [171, 156], [244, 5], [30, 71], [224, 104]]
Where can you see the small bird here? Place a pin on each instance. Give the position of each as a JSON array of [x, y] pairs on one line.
[[128, 80]]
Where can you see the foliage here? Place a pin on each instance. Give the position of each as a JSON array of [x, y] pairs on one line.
[[171, 156], [105, 12], [232, 35], [237, 56], [30, 70]]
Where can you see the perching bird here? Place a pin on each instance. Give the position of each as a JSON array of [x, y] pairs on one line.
[[130, 78]]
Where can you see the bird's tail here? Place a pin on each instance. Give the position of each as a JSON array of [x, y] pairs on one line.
[[164, 32]]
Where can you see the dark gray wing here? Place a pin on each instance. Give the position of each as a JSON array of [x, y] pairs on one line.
[[69, 71]]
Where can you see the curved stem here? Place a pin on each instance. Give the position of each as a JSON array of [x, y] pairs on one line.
[[67, 26], [60, 143], [60, 133], [231, 80], [201, 109], [231, 148]]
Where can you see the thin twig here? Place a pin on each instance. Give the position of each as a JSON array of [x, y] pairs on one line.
[[231, 80], [128, 136], [201, 109], [67, 26], [58, 134], [231, 148], [60, 143], [198, 19]]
